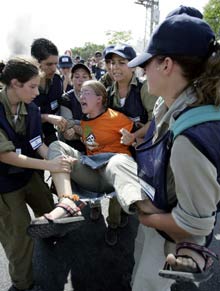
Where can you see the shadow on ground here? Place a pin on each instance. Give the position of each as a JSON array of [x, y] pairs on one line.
[[91, 265], [85, 257]]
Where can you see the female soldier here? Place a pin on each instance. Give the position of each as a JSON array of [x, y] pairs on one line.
[[20, 140], [178, 165], [128, 95]]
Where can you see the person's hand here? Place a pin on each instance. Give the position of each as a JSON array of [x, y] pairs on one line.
[[58, 121], [69, 133], [78, 129], [61, 164], [127, 138]]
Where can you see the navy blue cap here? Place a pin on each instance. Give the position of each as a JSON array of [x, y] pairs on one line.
[[107, 50], [98, 54], [123, 50], [178, 35], [65, 61], [191, 11], [80, 66]]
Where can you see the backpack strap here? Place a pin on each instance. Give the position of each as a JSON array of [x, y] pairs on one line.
[[195, 116]]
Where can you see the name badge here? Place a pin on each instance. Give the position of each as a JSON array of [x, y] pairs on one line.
[[36, 142], [148, 189], [54, 105], [18, 151]]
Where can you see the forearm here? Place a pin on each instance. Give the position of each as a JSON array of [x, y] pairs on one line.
[[56, 120], [165, 223], [140, 133], [42, 151], [46, 118], [23, 161], [66, 113]]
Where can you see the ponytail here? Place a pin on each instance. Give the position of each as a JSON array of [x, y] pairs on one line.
[[207, 86]]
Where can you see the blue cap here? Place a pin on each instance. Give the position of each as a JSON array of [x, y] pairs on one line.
[[65, 61], [123, 50], [107, 50], [178, 35], [98, 54], [80, 66], [191, 11]]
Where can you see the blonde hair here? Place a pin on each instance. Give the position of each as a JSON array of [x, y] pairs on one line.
[[98, 88]]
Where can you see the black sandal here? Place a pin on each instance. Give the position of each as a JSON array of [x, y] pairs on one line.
[[200, 275]]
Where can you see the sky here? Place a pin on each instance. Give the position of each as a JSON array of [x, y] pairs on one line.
[[72, 23]]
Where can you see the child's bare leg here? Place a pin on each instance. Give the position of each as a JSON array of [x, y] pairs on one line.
[[62, 183], [63, 186]]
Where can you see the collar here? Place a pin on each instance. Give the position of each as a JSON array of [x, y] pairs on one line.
[[114, 91], [7, 106], [165, 116]]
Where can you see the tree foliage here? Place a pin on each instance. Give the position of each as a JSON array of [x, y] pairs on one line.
[[87, 51], [118, 36], [212, 16]]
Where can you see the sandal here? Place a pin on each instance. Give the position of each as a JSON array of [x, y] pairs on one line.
[[198, 276], [47, 227]]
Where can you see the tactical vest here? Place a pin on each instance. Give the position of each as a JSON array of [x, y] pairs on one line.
[[11, 177], [48, 102], [201, 126], [133, 107]]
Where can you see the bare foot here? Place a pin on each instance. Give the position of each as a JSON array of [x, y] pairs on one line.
[[61, 212], [186, 264]]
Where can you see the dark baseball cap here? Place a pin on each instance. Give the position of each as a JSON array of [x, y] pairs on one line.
[[178, 35], [191, 11], [106, 50], [123, 50], [98, 54], [65, 61], [80, 66]]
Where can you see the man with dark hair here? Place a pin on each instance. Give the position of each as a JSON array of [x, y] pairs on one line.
[[98, 68], [42, 48], [51, 88]]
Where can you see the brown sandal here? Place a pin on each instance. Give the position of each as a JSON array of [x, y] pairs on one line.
[[200, 275], [44, 228]]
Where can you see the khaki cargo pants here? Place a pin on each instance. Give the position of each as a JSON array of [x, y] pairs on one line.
[[14, 220]]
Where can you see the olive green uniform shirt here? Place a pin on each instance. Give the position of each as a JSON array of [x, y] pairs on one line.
[[19, 125], [148, 100]]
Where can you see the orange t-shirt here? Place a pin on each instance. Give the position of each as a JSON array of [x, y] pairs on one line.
[[102, 135]]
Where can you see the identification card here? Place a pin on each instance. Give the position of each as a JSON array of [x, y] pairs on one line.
[[148, 189]]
